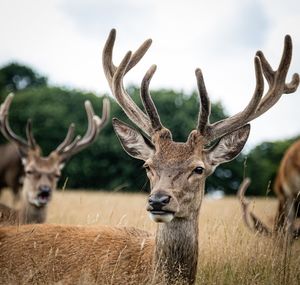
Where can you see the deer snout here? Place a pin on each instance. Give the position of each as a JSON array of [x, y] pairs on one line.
[[45, 189], [158, 201], [160, 207], [44, 194]]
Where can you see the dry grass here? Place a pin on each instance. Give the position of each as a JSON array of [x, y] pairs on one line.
[[229, 254]]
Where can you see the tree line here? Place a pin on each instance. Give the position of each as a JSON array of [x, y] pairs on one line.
[[105, 165]]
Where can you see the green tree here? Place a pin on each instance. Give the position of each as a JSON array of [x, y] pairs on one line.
[[263, 163], [14, 77]]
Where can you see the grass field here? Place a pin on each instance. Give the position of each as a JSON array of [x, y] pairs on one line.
[[229, 253]]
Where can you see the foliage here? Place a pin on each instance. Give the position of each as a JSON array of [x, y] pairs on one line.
[[14, 77], [262, 165]]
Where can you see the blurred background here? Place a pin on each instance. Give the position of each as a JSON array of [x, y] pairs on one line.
[[50, 56]]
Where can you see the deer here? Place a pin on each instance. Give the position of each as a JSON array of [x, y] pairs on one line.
[[287, 190], [42, 173], [177, 173], [11, 170]]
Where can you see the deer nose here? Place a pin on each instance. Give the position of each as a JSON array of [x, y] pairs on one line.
[[45, 189], [157, 201]]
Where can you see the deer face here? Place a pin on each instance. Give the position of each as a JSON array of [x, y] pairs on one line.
[[41, 177], [177, 171]]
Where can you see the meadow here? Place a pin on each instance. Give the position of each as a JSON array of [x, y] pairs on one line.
[[229, 253]]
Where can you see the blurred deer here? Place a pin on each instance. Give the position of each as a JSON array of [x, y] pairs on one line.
[[177, 174], [43, 173], [11, 169], [287, 190]]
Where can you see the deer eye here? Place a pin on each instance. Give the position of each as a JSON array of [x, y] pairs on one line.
[[198, 170], [29, 172]]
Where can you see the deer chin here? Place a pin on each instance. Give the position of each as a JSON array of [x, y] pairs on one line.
[[161, 216], [39, 200]]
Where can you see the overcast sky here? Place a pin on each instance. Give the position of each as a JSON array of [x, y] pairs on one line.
[[63, 40]]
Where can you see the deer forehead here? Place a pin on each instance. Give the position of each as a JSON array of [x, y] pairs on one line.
[[177, 155], [45, 164]]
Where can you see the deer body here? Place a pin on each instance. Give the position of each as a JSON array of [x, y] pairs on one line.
[[177, 173], [11, 169], [287, 190], [101, 254], [105, 255]]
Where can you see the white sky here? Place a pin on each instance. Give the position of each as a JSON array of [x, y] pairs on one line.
[[63, 40]]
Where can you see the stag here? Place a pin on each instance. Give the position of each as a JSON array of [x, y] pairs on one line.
[[42, 173], [177, 173], [287, 190]]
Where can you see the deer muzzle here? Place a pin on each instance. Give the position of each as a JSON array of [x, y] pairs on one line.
[[159, 207]]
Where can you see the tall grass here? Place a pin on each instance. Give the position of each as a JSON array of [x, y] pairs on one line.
[[229, 253]]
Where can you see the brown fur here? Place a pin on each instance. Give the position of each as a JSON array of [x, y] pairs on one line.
[[11, 169], [287, 186], [287, 190], [44, 254]]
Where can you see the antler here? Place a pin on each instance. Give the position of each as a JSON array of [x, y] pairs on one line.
[[251, 221], [7, 131], [115, 75], [258, 104], [150, 122], [69, 146]]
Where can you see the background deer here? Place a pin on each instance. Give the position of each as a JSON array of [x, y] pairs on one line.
[[42, 173], [177, 173], [287, 190], [11, 169]]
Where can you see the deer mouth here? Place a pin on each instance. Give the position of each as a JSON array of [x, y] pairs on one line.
[[43, 197], [161, 216]]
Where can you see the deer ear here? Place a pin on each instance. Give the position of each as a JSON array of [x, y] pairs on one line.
[[228, 147], [133, 142]]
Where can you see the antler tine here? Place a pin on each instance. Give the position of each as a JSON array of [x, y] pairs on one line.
[[148, 102], [68, 139], [255, 225], [258, 104], [95, 124], [109, 67], [230, 124], [30, 138], [133, 112], [276, 79], [244, 203], [4, 108], [68, 149], [5, 127], [138, 54], [203, 119], [114, 76], [105, 115]]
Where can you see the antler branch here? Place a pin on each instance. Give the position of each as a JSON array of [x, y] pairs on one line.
[[69, 147], [115, 75], [7, 131], [251, 221], [260, 104]]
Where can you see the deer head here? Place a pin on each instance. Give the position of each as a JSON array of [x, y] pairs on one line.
[[42, 173], [177, 171]]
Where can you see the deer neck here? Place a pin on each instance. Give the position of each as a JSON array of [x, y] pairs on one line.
[[29, 214], [176, 250]]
